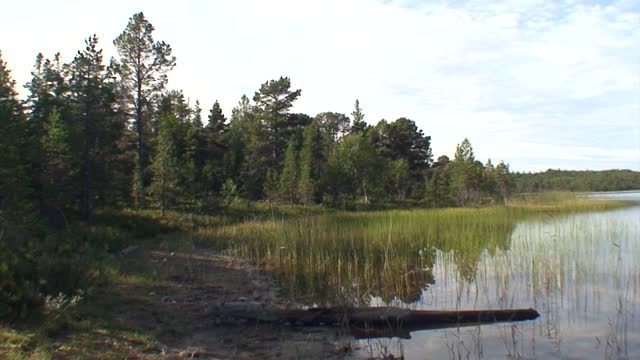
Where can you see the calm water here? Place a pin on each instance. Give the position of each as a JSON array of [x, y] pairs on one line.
[[581, 272]]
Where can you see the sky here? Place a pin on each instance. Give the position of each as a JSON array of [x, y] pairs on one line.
[[538, 84]]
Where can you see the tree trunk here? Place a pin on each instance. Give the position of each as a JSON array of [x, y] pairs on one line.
[[369, 322], [140, 200], [85, 197], [364, 191]]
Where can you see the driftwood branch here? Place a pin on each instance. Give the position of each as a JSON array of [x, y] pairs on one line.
[[372, 321]]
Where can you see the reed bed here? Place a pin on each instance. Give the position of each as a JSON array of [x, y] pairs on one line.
[[352, 258]]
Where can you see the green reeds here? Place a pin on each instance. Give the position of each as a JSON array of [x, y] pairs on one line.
[[353, 257]]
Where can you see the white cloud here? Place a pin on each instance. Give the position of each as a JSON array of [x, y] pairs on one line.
[[553, 75]]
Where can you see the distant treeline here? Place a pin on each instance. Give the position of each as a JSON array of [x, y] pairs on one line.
[[569, 180]]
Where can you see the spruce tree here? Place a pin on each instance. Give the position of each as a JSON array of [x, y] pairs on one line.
[[466, 175], [358, 125], [216, 138], [18, 219], [47, 89], [92, 103]]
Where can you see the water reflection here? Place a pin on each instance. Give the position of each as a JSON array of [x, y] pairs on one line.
[[400, 274], [580, 272]]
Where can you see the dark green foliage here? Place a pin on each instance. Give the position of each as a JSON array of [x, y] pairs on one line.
[[438, 193], [237, 135], [465, 181], [402, 140], [565, 180], [271, 187], [503, 181], [18, 290], [399, 181], [260, 133], [14, 189], [218, 162], [46, 94], [290, 173], [98, 128], [355, 169], [312, 163], [466, 175], [257, 158], [165, 165], [333, 126], [59, 168]]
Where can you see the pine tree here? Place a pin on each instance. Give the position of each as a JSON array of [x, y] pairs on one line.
[[142, 70], [273, 101], [256, 158]]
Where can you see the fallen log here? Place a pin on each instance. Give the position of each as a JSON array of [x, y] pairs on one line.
[[369, 321]]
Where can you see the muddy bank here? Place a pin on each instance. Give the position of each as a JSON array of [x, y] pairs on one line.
[[172, 296]]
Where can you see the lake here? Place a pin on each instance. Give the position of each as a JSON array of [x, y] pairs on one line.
[[580, 271], [573, 260]]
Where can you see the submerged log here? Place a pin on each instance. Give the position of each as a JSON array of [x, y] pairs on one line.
[[372, 321]]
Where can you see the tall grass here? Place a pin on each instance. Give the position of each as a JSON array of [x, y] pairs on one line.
[[352, 257]]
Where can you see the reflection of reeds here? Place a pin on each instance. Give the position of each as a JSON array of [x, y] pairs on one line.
[[389, 255], [386, 254]]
